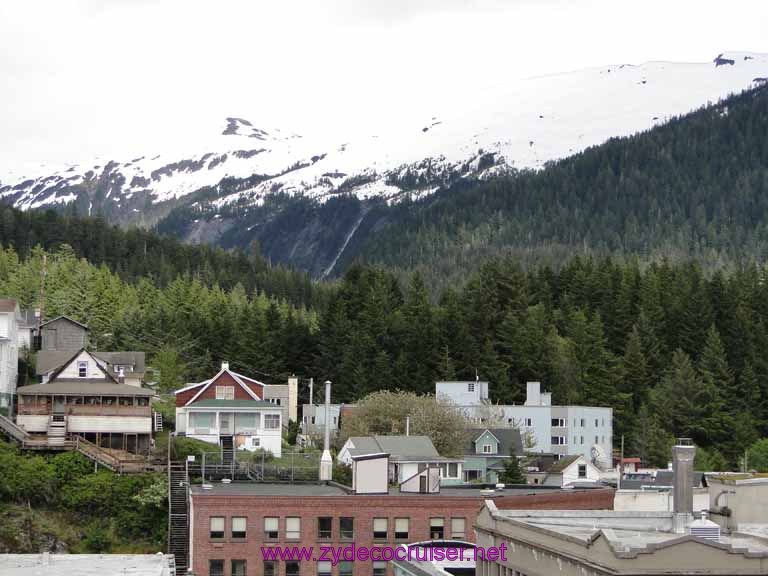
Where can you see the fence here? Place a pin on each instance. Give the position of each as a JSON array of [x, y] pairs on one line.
[[292, 466]]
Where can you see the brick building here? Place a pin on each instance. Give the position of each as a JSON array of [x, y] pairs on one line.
[[231, 522]]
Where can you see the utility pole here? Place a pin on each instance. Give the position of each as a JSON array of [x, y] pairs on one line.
[[621, 464]]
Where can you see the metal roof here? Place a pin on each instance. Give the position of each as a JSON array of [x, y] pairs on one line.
[[85, 387], [233, 404], [509, 439]]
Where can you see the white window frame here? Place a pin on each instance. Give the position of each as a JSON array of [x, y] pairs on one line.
[[487, 449], [293, 528], [456, 533], [271, 421], [82, 368], [225, 392]]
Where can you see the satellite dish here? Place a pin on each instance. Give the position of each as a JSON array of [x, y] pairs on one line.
[[599, 458]]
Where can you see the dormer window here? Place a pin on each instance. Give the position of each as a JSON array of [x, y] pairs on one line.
[[82, 369], [225, 392], [487, 449]]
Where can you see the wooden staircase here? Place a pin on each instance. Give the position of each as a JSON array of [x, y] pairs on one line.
[[227, 450], [178, 515], [12, 431], [57, 430]]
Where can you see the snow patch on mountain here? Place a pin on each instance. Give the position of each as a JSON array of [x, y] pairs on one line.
[[517, 125]]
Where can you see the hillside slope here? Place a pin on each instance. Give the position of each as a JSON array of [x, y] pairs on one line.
[[695, 187], [243, 182]]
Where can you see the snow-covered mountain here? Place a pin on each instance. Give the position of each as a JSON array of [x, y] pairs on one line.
[[521, 124]]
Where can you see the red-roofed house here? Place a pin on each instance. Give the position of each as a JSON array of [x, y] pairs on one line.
[[229, 410]]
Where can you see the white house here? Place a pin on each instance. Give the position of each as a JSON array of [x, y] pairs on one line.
[[230, 410], [10, 317], [83, 398], [563, 472], [408, 456], [563, 430]]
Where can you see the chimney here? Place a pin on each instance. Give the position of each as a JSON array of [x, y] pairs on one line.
[[683, 453], [326, 463], [407, 425], [225, 365], [121, 376], [293, 393], [533, 394]]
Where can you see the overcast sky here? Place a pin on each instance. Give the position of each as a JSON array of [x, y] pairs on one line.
[[86, 77]]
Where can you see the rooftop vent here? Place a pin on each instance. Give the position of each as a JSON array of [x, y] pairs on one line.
[[705, 528], [487, 492]]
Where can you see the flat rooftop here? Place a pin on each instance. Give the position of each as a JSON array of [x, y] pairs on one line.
[[321, 489], [85, 565], [628, 533]]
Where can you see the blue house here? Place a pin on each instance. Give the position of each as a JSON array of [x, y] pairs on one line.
[[487, 451]]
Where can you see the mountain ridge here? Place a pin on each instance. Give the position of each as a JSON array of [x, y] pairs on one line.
[[256, 177]]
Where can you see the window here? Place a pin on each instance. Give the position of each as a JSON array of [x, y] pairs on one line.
[[271, 421], [202, 421], [324, 527], [217, 527], [582, 470], [323, 568], [215, 567], [528, 422], [335, 420], [453, 470], [347, 528], [225, 392], [246, 421], [313, 419], [582, 439], [270, 568], [470, 386], [457, 528], [559, 440], [380, 568], [379, 528], [437, 528], [603, 422], [239, 527], [271, 528], [292, 569], [597, 422], [293, 528], [487, 449], [239, 568], [597, 441], [470, 475], [82, 369], [345, 568], [558, 422], [583, 422], [401, 528]]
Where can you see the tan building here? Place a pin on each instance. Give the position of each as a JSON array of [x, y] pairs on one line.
[[597, 543]]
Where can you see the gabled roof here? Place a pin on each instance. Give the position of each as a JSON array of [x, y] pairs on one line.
[[72, 358], [239, 378], [508, 438], [131, 358], [64, 318], [400, 448], [47, 360], [564, 462]]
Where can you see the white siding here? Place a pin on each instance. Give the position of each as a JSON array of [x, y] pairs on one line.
[[137, 424], [71, 370], [571, 473], [33, 423]]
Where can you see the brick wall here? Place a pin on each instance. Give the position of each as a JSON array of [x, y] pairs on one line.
[[418, 508]]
